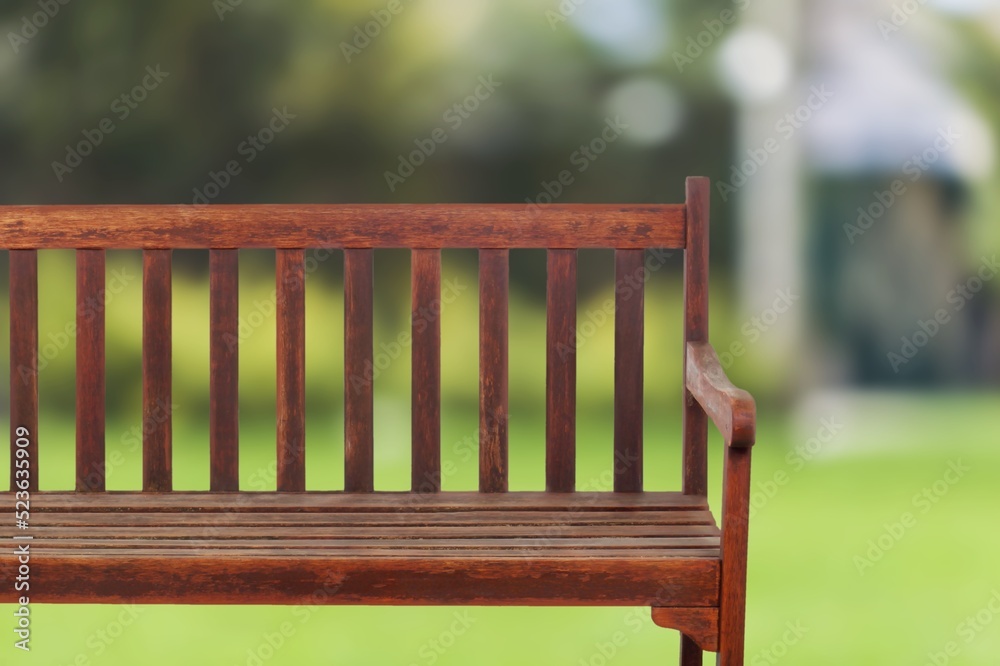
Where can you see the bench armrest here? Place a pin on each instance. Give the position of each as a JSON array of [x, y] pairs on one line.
[[733, 410]]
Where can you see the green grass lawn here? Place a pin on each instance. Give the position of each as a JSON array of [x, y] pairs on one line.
[[813, 519]]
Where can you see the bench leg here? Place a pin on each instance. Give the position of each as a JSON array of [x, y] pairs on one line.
[[690, 652]]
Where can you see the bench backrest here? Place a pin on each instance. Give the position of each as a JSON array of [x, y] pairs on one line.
[[358, 230]]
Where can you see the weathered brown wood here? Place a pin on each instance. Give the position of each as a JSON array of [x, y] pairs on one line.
[[157, 402], [560, 374], [699, 626], [224, 418], [212, 577], [291, 313], [731, 409], [342, 226], [735, 528], [695, 463], [359, 457], [90, 370], [574, 504], [493, 399], [629, 316], [426, 381], [691, 652], [24, 369]]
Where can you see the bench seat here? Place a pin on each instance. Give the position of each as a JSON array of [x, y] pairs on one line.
[[652, 548]]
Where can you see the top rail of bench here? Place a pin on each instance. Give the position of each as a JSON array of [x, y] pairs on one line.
[[343, 226]]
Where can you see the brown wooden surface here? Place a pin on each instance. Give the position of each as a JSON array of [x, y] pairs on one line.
[[359, 457], [426, 380], [629, 316], [731, 409], [24, 360], [224, 417], [291, 314], [699, 628], [399, 548], [494, 289], [735, 526], [695, 462], [156, 371], [560, 373], [343, 226], [90, 370]]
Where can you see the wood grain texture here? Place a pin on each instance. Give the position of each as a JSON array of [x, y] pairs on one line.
[[695, 462], [157, 401], [359, 405], [580, 504], [735, 526], [24, 363], [629, 320], [699, 628], [224, 415], [733, 410], [212, 577], [494, 287], [291, 313], [382, 548], [560, 373], [426, 380], [90, 370], [342, 226]]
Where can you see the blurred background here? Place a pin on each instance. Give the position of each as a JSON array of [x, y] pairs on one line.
[[852, 147]]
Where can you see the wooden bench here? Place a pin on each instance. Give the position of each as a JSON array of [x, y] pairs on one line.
[[360, 546]]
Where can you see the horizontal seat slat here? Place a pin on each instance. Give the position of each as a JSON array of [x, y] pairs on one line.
[[342, 226], [337, 502], [688, 578], [466, 520], [338, 532]]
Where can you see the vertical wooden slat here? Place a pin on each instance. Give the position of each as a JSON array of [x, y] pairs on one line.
[[735, 534], [156, 371], [695, 330], [224, 420], [90, 370], [691, 654], [560, 374], [493, 298], [291, 356], [359, 294], [24, 362], [426, 389], [629, 298]]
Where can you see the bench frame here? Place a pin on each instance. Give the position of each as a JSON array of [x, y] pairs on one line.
[[425, 230]]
